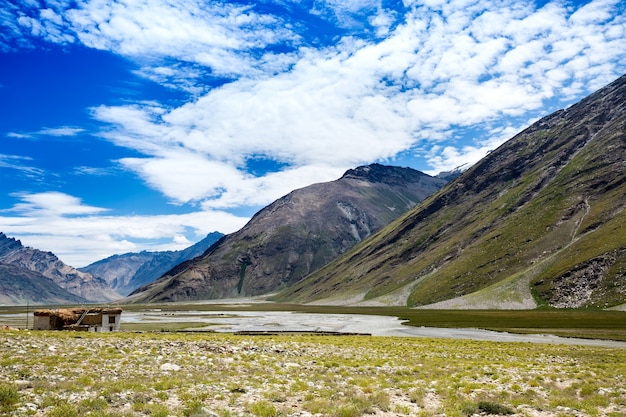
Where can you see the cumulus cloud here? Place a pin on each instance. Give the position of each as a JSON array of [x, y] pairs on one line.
[[468, 64], [53, 203], [80, 234], [220, 36]]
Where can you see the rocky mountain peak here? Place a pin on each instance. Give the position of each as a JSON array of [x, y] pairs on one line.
[[8, 243], [295, 235], [377, 173]]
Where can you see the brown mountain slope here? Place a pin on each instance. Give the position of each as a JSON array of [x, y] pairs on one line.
[[542, 214], [295, 235], [19, 286], [47, 264]]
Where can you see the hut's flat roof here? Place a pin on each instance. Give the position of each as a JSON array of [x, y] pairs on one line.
[[71, 313]]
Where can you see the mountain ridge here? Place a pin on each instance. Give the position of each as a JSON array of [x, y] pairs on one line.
[[537, 196], [19, 286], [129, 271], [296, 234], [29, 275], [47, 264]]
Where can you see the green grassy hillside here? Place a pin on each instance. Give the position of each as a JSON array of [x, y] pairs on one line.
[[545, 209]]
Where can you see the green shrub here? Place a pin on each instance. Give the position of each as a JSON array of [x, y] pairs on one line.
[[158, 410], [92, 404], [469, 409], [262, 409], [63, 410], [8, 396], [348, 411], [194, 408], [489, 407]]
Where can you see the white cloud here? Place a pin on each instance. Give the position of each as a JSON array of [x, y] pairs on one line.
[[19, 135], [93, 171], [347, 13], [594, 12], [53, 204], [254, 191], [184, 175], [49, 131], [383, 21], [361, 101], [182, 240], [49, 25], [80, 234], [218, 35], [61, 131], [448, 158], [19, 163]]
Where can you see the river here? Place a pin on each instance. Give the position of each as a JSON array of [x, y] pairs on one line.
[[273, 321]]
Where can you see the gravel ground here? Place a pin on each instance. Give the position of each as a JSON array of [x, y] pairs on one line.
[[66, 374]]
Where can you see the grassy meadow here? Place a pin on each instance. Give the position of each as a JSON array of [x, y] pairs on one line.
[[72, 374]]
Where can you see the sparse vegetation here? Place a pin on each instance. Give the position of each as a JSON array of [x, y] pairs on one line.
[[62, 374], [9, 396]]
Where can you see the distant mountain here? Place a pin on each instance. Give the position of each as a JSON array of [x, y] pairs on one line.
[[295, 235], [81, 284], [19, 286], [539, 221], [129, 271]]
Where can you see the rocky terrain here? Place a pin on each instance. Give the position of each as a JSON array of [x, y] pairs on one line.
[[576, 287], [48, 374], [538, 221], [81, 284], [296, 235]]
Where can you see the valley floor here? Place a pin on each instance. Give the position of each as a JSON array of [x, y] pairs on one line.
[[62, 374], [289, 321]]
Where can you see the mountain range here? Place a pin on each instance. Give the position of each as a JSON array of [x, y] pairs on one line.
[[29, 275], [295, 235], [20, 286], [304, 231], [124, 273], [540, 221], [65, 283]]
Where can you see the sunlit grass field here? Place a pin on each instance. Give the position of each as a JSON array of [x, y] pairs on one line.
[[62, 374]]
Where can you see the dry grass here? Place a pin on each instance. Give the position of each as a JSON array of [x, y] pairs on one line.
[[61, 374]]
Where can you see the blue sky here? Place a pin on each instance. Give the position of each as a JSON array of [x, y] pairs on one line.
[[146, 124]]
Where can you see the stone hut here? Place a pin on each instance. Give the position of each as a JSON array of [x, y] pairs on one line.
[[81, 319]]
